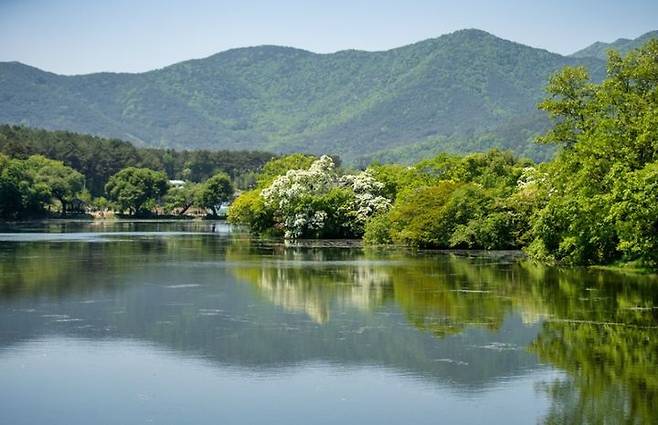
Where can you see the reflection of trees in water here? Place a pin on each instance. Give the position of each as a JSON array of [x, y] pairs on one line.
[[63, 266], [599, 326], [312, 281], [612, 360], [440, 294], [612, 373], [570, 405]]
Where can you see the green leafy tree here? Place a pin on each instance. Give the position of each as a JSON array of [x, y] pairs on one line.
[[635, 213], [215, 191], [180, 199], [28, 186], [249, 210], [280, 166], [479, 201], [98, 158], [63, 183], [12, 182], [136, 190], [598, 192]]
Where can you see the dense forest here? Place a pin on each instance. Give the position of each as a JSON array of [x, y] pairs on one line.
[[56, 172], [38, 186], [596, 202], [98, 158]]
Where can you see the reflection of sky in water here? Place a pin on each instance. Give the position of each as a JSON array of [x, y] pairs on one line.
[[121, 381], [175, 324]]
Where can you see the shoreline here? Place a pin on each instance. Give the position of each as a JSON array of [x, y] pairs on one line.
[[506, 255]]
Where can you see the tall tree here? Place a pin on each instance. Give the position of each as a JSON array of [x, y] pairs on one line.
[[605, 170], [215, 191], [62, 182], [136, 189], [180, 199]]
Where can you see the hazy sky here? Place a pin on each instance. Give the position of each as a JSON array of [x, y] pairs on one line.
[[81, 36]]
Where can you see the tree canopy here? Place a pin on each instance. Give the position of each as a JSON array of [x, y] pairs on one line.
[[98, 159], [215, 191], [136, 190], [28, 187], [598, 196]]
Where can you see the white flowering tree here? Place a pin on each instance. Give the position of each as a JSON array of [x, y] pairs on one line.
[[316, 202]]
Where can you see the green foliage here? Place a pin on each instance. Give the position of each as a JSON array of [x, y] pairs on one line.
[[179, 199], [397, 177], [280, 166], [598, 196], [62, 182], [98, 159], [424, 217], [454, 202], [635, 214], [215, 191], [28, 186], [310, 202], [136, 190], [17, 191], [466, 89], [249, 210]]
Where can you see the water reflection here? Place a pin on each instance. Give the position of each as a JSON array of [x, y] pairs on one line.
[[468, 323]]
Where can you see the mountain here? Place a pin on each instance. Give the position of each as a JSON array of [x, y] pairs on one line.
[[467, 90], [623, 45]]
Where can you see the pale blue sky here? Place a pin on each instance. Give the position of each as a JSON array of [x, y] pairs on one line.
[[81, 36]]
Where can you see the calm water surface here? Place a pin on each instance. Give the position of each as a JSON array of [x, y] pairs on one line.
[[170, 323]]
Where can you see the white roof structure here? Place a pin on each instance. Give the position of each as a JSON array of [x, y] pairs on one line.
[[177, 183]]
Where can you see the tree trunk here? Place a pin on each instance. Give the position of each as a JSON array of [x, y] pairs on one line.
[[185, 208], [63, 202]]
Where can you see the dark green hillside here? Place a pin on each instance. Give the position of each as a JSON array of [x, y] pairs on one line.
[[454, 93]]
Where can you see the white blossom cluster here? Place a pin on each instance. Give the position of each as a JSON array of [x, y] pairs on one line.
[[527, 179], [319, 178], [368, 198], [288, 196]]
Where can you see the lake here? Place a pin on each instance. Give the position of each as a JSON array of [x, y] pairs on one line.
[[195, 323]]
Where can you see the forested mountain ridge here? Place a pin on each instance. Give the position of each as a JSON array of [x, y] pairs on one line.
[[464, 91], [622, 45]]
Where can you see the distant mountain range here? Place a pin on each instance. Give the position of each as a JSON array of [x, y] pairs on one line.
[[623, 45], [463, 91]]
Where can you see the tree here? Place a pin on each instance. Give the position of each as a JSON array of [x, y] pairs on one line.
[[280, 166], [473, 202], [24, 191], [215, 191], [635, 214], [98, 158], [136, 189], [598, 203], [313, 201], [62, 182], [11, 197], [182, 198]]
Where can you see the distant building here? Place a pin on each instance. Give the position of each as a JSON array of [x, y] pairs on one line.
[[176, 183]]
